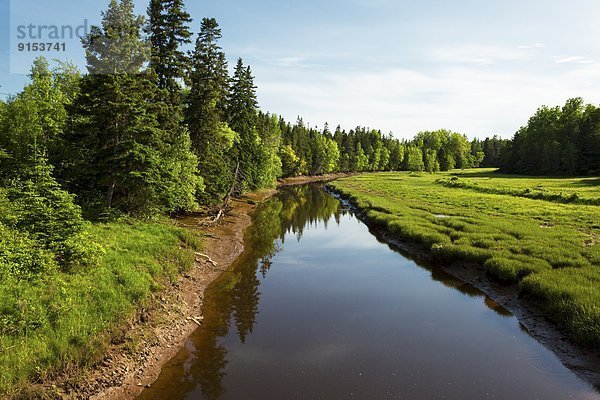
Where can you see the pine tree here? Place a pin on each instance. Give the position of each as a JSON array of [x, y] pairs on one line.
[[46, 211], [120, 150], [168, 30], [242, 112], [212, 139], [116, 47]]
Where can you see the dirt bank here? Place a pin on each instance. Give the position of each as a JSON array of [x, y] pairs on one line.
[[151, 341], [301, 180], [160, 330]]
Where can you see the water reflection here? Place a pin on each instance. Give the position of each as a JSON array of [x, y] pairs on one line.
[[439, 275], [233, 299], [330, 313]]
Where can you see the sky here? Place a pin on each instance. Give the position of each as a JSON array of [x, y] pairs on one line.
[[478, 67]]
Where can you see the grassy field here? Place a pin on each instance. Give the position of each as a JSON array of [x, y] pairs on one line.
[[58, 321], [542, 233]]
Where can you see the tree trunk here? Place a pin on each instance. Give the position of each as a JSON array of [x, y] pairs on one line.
[[110, 193]]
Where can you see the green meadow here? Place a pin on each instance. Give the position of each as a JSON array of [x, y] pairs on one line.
[[56, 321], [540, 233]]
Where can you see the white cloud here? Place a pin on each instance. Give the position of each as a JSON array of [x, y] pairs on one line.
[[479, 54], [536, 46], [573, 59], [469, 99]]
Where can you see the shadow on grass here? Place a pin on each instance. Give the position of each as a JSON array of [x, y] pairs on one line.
[[587, 182]]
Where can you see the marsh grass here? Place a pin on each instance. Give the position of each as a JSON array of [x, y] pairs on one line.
[[56, 322], [547, 244]]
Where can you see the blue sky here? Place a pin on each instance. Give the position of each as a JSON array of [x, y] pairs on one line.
[[479, 67]]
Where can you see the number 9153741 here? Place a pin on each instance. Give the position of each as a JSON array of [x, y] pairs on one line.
[[34, 46]]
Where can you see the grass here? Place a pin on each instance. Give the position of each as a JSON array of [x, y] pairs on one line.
[[56, 321], [548, 243]]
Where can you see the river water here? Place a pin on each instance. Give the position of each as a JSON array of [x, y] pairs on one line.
[[318, 308]]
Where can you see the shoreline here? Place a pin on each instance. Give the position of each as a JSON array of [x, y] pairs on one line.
[[583, 362], [161, 327], [303, 180], [174, 314]]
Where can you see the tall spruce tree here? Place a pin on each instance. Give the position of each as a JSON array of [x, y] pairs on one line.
[[168, 30], [120, 151], [242, 111], [212, 139]]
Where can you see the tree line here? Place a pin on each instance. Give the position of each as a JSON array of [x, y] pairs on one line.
[[151, 128], [557, 141]]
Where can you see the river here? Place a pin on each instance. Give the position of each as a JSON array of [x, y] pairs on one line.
[[318, 308]]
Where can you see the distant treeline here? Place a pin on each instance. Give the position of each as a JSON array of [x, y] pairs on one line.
[[153, 129], [557, 141]]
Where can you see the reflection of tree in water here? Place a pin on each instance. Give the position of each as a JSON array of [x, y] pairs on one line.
[[234, 297]]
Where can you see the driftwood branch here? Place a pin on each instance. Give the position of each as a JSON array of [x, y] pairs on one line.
[[220, 212], [210, 260]]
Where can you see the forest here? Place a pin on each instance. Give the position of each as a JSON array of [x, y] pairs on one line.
[[151, 129]]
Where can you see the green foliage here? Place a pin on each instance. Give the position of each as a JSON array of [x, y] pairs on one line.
[[120, 152], [550, 248], [431, 161], [22, 137], [20, 256], [32, 123], [205, 113], [54, 320], [128, 151], [361, 161], [242, 113], [47, 213], [168, 30], [493, 149], [413, 159], [269, 163], [447, 150], [564, 141], [291, 164]]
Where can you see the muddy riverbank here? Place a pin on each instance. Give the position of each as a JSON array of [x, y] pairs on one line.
[[164, 325], [174, 315]]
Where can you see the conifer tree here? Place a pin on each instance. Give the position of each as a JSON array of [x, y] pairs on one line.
[[168, 30], [242, 113], [120, 151], [212, 139]]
